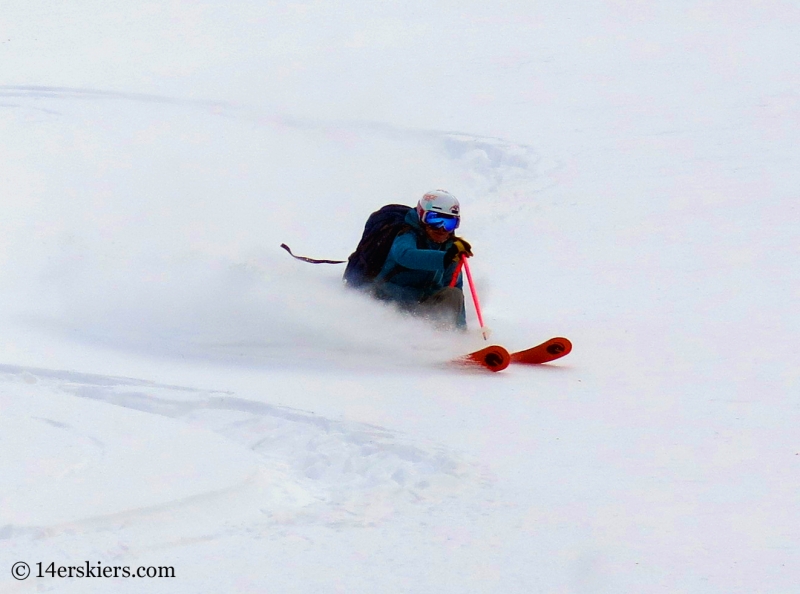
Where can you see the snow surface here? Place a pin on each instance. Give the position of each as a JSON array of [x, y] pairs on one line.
[[176, 391]]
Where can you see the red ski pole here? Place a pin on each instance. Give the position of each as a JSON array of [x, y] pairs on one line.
[[454, 280], [484, 330]]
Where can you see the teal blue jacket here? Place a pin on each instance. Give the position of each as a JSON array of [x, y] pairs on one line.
[[414, 269]]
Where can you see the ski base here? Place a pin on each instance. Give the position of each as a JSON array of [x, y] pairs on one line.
[[553, 349]]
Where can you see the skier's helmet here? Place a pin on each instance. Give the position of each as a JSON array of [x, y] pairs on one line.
[[439, 209]]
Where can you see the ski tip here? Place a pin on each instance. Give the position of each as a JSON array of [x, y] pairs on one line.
[[559, 346], [553, 349], [494, 358]]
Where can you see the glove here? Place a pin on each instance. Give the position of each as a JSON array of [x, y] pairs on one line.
[[460, 247]]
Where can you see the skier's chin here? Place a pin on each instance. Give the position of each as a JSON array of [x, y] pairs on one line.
[[438, 235]]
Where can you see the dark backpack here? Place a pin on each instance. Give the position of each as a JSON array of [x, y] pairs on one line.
[[382, 227]]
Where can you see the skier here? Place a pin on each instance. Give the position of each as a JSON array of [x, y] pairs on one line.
[[409, 256], [422, 261]]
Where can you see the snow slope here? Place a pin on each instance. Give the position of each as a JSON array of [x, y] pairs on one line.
[[176, 391]]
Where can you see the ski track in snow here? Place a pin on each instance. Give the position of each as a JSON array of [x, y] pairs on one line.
[[490, 162], [331, 473]]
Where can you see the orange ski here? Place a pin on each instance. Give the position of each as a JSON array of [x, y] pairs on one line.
[[493, 358], [553, 349]]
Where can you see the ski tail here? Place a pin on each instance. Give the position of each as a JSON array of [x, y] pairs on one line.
[[493, 358], [550, 350]]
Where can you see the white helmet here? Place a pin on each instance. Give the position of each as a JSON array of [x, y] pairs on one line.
[[441, 202]]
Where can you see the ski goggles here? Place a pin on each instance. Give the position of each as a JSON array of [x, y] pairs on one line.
[[440, 220]]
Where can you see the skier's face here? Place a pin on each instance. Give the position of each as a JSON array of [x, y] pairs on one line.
[[437, 235]]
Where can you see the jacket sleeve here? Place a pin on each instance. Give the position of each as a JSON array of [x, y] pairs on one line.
[[405, 252]]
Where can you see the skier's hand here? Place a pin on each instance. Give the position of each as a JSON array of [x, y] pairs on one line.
[[463, 247], [460, 247]]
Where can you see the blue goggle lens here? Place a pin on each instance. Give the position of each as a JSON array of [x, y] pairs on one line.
[[440, 220]]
